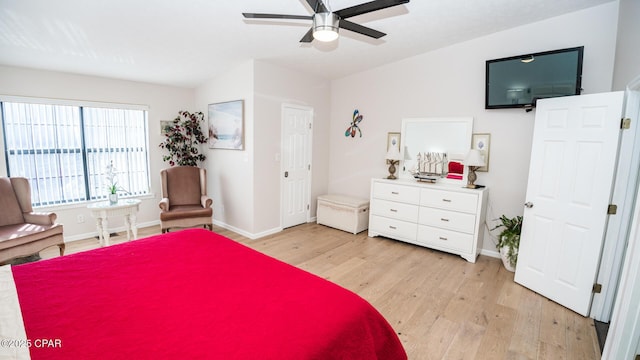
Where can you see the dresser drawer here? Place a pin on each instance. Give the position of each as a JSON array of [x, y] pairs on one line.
[[445, 239], [451, 220], [394, 210], [449, 200], [393, 228], [443, 216], [393, 192]]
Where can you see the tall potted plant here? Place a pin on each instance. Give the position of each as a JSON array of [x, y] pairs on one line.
[[112, 183], [181, 139], [509, 240]]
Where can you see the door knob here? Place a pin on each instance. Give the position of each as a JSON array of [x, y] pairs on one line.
[[528, 204], [286, 174]]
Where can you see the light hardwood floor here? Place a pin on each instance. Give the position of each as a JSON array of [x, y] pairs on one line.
[[441, 306]]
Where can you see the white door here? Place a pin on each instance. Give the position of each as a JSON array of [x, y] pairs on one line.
[[623, 338], [296, 164], [625, 184], [575, 142]]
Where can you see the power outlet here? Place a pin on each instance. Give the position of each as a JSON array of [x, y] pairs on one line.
[[80, 218]]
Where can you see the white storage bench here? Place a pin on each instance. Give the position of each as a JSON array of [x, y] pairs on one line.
[[343, 212]]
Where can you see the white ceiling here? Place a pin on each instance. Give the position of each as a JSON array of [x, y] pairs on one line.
[[186, 42]]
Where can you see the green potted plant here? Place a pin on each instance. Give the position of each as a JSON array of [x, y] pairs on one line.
[[182, 138], [113, 193], [112, 184], [509, 240]]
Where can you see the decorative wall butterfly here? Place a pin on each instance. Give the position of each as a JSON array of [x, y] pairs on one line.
[[351, 130]]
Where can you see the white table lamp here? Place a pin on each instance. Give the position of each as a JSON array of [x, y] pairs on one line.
[[473, 160]]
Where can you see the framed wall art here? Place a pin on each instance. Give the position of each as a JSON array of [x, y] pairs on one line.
[[482, 142], [226, 125], [163, 126], [393, 139]]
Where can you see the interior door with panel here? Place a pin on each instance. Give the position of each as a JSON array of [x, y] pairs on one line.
[[296, 164], [575, 143]]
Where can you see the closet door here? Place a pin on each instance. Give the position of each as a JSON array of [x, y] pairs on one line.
[[296, 164], [573, 158]]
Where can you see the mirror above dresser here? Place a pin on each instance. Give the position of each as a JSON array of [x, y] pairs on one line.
[[425, 142]]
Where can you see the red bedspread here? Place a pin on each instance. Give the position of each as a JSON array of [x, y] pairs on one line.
[[193, 294]]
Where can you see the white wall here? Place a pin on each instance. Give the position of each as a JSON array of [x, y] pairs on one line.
[[245, 185], [450, 82], [164, 103], [275, 86], [446, 82], [627, 66], [623, 339], [230, 173]]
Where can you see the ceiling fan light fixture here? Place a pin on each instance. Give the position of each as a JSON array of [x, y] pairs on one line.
[[325, 26], [527, 59]]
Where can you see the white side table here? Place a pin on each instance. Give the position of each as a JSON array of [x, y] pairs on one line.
[[125, 207]]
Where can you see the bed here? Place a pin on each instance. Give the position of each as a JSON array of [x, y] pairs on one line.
[[191, 294]]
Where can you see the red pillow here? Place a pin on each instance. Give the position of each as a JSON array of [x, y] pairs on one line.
[[456, 167]]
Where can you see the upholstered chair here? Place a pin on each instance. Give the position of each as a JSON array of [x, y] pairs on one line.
[[24, 232], [184, 198]]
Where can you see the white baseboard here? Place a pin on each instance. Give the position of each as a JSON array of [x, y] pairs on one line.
[[247, 234], [68, 239], [266, 233], [254, 236], [490, 253]]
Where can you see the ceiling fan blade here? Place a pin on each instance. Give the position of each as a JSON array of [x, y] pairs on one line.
[[368, 7], [317, 6], [276, 16], [308, 37], [346, 24]]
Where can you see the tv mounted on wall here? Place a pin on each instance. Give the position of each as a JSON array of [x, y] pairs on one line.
[[519, 81]]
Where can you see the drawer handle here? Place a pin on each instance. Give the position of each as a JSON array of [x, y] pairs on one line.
[[443, 238], [446, 200], [392, 227], [393, 210], [395, 193], [443, 219]]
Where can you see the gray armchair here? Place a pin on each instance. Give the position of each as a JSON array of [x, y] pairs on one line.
[[22, 231]]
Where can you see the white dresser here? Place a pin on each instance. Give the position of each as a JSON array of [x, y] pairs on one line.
[[444, 217]]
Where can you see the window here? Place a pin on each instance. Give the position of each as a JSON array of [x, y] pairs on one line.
[[64, 148]]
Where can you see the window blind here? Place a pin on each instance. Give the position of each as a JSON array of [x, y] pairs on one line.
[[64, 150]]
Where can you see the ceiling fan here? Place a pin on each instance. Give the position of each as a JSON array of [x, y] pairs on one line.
[[326, 22]]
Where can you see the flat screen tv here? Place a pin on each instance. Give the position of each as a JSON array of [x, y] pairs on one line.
[[519, 81]]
